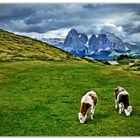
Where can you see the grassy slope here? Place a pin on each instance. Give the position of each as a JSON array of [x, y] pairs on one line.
[[43, 98], [15, 47]]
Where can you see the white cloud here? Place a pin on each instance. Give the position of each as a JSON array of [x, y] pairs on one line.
[[133, 38], [81, 29], [59, 33], [18, 24], [89, 30], [31, 34], [112, 28], [109, 27], [74, 8]]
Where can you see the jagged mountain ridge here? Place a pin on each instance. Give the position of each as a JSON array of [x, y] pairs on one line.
[[102, 46], [75, 43]]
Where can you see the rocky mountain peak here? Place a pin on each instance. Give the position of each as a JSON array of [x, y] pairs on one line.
[[101, 46]]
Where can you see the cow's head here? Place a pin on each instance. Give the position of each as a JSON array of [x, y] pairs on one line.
[[81, 117]]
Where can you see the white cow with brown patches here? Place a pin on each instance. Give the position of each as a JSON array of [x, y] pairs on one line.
[[122, 101], [88, 101]]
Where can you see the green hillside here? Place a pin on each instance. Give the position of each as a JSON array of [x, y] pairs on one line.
[[15, 47]]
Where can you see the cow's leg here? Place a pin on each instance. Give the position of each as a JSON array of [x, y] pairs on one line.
[[116, 103], [120, 108], [91, 112]]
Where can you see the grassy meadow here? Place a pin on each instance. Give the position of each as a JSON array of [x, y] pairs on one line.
[[21, 48], [42, 98]]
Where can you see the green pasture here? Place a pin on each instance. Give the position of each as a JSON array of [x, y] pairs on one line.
[[42, 98]]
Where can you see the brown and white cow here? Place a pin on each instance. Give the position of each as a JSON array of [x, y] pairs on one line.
[[122, 101], [88, 101]]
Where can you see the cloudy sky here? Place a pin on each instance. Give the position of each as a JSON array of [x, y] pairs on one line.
[[55, 20]]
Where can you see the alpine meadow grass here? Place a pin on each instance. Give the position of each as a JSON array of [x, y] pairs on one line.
[[42, 98]]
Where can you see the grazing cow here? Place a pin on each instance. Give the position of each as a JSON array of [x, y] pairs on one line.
[[122, 101], [88, 101]]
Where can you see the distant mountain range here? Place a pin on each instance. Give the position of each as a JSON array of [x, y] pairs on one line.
[[102, 46]]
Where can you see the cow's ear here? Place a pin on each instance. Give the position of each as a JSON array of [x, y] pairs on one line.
[[116, 89], [92, 97], [95, 99]]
